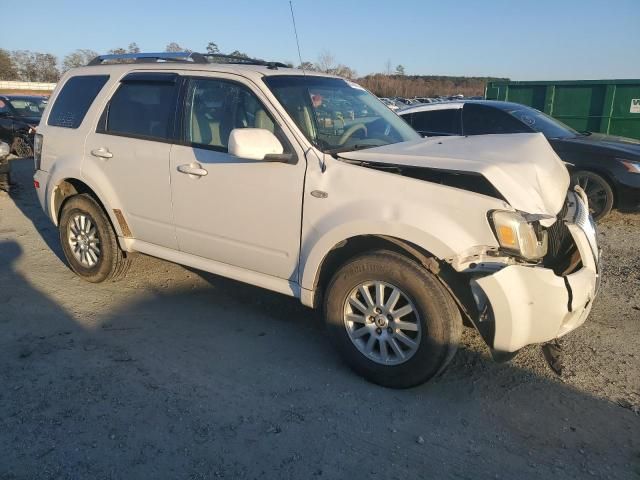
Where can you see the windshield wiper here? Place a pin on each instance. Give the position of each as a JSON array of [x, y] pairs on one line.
[[351, 148]]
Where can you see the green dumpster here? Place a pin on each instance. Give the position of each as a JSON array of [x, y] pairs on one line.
[[605, 106]]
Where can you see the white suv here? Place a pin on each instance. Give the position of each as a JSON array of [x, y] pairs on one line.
[[308, 185]]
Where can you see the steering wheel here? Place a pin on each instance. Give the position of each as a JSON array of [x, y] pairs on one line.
[[350, 131]]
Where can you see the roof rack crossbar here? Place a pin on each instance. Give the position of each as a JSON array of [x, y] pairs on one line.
[[244, 60], [150, 57]]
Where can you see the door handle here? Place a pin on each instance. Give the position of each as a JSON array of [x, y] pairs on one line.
[[192, 169], [102, 152]]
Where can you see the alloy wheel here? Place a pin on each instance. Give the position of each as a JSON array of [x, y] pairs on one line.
[[382, 322], [84, 240], [596, 193]]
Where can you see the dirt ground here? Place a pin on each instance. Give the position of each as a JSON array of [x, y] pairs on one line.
[[174, 373]]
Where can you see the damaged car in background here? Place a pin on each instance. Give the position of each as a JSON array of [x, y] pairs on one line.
[[399, 240], [19, 118]]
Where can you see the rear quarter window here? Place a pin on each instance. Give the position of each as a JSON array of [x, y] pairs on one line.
[[485, 120], [74, 100]]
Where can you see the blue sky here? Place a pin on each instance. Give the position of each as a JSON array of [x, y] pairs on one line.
[[520, 39]]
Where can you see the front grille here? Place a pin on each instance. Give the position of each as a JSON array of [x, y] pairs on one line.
[[558, 234], [562, 255]]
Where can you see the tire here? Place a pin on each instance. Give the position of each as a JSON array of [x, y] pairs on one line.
[[435, 316], [598, 190], [21, 148], [110, 262]]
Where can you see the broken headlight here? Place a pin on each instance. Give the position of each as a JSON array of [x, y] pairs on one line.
[[518, 236]]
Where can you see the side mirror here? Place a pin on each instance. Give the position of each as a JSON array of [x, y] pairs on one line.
[[256, 144], [5, 150]]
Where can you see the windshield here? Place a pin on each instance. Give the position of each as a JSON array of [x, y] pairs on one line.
[[543, 123], [337, 115], [28, 106]]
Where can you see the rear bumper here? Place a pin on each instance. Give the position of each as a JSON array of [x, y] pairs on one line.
[[531, 304]]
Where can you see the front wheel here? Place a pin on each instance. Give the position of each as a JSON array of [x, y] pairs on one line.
[[89, 241], [391, 320]]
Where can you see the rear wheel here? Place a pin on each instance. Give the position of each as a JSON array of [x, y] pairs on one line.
[[89, 241], [391, 319], [598, 192]]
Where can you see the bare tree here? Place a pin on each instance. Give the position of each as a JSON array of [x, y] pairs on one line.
[[387, 67], [132, 48], [175, 47], [78, 58], [344, 71], [326, 61], [309, 66], [8, 70], [35, 66]]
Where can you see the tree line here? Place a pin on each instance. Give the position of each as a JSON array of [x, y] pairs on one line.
[[29, 66], [408, 86]]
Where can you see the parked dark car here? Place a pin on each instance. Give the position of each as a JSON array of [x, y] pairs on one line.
[[605, 166], [19, 117]]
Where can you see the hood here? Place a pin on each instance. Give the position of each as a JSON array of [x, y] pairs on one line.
[[27, 120], [522, 167], [607, 144]]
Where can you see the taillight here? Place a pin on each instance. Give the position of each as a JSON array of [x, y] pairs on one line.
[[37, 150]]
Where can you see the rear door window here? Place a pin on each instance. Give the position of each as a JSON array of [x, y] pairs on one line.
[[483, 120], [437, 122], [142, 107], [74, 100]]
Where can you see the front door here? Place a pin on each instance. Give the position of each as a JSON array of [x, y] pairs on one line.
[[131, 149], [240, 212]]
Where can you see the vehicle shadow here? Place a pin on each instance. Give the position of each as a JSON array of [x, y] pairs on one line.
[[207, 379], [24, 196]]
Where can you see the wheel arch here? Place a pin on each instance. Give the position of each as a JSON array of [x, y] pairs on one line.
[[354, 246], [70, 186]]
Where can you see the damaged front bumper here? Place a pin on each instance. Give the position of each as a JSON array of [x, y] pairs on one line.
[[524, 304]]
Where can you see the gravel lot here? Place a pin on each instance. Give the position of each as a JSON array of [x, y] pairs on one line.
[[174, 373]]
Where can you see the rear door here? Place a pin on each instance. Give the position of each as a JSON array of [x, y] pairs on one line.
[[130, 152], [241, 212]]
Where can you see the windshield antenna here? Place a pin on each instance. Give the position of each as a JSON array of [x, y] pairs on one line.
[[295, 31], [323, 163]]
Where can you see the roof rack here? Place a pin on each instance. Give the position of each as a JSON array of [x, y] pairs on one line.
[[242, 60], [191, 57], [150, 57]]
